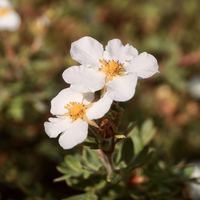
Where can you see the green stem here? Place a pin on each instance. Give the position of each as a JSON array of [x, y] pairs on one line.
[[106, 160]]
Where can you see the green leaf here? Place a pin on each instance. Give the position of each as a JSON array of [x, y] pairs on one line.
[[128, 131], [188, 170], [117, 155], [71, 172], [142, 158], [127, 151], [106, 145], [147, 132], [62, 178], [91, 158], [80, 183], [5, 95], [91, 142], [86, 174], [114, 177], [91, 139], [73, 163], [16, 109], [87, 196], [120, 136], [145, 160], [91, 145], [135, 136], [130, 128]]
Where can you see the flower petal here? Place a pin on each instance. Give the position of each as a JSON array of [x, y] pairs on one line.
[[122, 88], [84, 79], [76, 134], [145, 65], [5, 4], [87, 51], [62, 99], [99, 108], [115, 50], [10, 21], [55, 126], [88, 98]]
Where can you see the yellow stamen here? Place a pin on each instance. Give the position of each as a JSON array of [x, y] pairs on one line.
[[111, 69], [90, 122], [4, 11], [103, 91], [88, 106], [76, 110]]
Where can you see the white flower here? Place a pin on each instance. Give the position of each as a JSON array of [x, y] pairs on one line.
[[74, 111], [9, 19], [194, 87], [114, 71], [194, 188]]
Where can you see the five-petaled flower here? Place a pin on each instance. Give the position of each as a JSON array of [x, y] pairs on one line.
[[9, 19], [74, 111], [114, 71]]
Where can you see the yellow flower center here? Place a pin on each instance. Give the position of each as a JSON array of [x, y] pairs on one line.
[[4, 11], [76, 110], [111, 68]]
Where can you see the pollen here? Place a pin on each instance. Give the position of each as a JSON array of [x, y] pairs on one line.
[[76, 110], [4, 11], [111, 68]]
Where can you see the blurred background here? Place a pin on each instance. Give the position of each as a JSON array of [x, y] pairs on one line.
[[33, 58]]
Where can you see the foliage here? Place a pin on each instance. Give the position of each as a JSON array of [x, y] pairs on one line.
[[130, 179]]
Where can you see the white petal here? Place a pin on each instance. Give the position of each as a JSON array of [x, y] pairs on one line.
[[88, 98], [115, 50], [76, 134], [10, 21], [84, 79], [145, 65], [122, 88], [62, 99], [99, 108], [87, 51], [5, 4], [55, 126]]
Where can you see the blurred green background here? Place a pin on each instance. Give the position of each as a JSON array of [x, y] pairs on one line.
[[33, 58]]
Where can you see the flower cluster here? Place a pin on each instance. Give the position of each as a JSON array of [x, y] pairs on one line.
[[113, 71], [9, 19]]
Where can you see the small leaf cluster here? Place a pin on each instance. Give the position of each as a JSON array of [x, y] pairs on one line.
[[139, 173]]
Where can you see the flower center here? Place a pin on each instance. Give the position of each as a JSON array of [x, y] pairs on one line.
[[111, 68], [4, 11], [76, 110]]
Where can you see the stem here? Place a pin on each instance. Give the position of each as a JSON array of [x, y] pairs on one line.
[[110, 163], [106, 160], [9, 51], [37, 43]]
